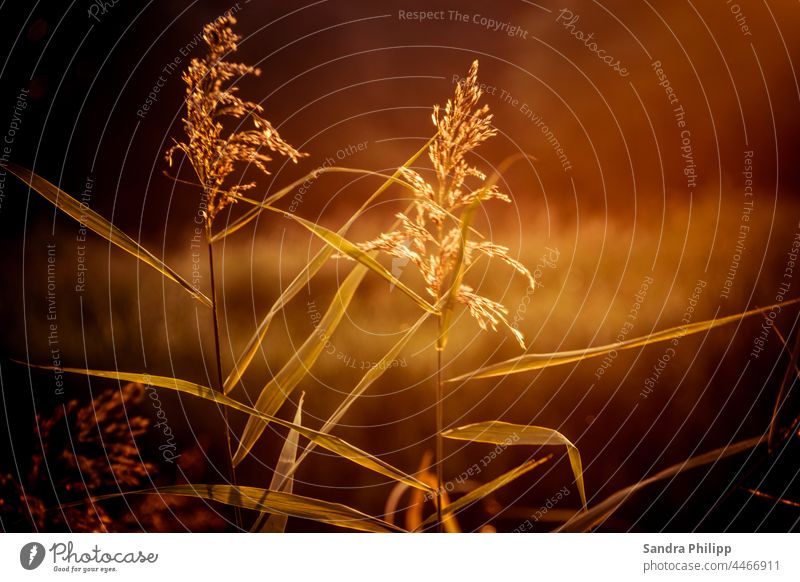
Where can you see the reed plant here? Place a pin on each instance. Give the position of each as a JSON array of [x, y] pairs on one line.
[[435, 233]]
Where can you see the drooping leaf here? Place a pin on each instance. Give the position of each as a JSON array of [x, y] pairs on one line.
[[274, 394], [601, 511], [482, 491], [530, 362], [96, 223], [279, 502], [281, 481], [504, 433], [326, 441]]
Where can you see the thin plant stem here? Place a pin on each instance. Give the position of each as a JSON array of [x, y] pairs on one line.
[[220, 382], [439, 429]]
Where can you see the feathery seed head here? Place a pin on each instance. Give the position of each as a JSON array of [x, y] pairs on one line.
[[431, 237], [210, 101]]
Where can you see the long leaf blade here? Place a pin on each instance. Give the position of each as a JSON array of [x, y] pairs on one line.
[[588, 519], [96, 223], [253, 345], [498, 433], [273, 198], [256, 210], [530, 362], [373, 374], [304, 276], [274, 394], [486, 489], [281, 481], [279, 502], [326, 441], [366, 381], [343, 245]]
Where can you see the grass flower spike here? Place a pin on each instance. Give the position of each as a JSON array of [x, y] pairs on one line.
[[213, 152], [209, 101], [431, 236]]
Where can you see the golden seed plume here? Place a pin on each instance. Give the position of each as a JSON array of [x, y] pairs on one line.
[[210, 99], [429, 238]]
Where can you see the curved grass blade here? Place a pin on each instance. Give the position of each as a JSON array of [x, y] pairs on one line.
[[503, 433], [313, 175], [280, 481], [326, 441], [342, 245], [486, 489], [366, 381], [753, 492], [390, 508], [530, 362], [588, 519], [303, 277], [299, 282], [287, 504], [96, 223], [416, 502], [274, 394]]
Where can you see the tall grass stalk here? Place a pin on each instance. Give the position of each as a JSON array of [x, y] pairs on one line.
[[433, 235], [218, 363], [439, 429], [213, 155]]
